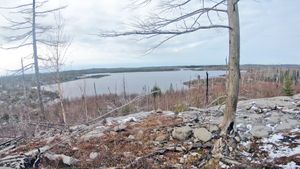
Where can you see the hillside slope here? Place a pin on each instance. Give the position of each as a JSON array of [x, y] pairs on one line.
[[267, 135]]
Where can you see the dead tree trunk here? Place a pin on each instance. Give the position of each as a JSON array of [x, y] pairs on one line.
[[234, 67], [36, 62], [23, 78], [206, 94], [61, 97]]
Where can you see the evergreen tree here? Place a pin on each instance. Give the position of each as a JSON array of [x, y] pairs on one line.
[[287, 86]]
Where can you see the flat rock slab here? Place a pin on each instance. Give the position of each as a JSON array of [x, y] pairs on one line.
[[296, 97], [128, 118], [96, 133], [267, 102], [260, 131], [288, 124]]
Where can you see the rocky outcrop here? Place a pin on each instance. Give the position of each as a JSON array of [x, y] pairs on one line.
[[260, 131], [267, 135]]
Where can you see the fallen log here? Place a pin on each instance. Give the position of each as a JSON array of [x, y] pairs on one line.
[[11, 142]]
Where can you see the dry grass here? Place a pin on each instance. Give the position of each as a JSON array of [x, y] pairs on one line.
[[119, 150]]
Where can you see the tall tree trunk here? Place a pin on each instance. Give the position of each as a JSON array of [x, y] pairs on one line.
[[23, 79], [206, 93], [36, 62], [60, 93], [234, 67]]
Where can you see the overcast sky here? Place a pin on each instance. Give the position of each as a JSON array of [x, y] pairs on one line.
[[270, 34]]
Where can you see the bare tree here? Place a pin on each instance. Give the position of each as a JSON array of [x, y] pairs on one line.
[[28, 32], [23, 78], [180, 17], [57, 51]]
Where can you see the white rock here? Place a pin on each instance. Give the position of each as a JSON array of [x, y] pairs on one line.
[[131, 137], [93, 155], [75, 148], [181, 161]]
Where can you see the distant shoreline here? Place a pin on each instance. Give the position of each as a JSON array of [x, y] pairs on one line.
[[70, 75]]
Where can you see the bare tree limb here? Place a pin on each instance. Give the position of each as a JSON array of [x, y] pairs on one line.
[[156, 32], [19, 6], [173, 25], [16, 47], [51, 10]]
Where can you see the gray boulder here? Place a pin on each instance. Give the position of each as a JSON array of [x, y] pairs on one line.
[[182, 133], [119, 128], [202, 134]]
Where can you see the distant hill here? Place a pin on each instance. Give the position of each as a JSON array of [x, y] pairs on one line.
[[69, 75]]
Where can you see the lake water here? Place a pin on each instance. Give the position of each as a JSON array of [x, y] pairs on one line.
[[135, 82]]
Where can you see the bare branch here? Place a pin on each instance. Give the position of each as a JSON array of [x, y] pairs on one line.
[[200, 11], [16, 47], [46, 42], [49, 11], [16, 7], [157, 32], [139, 3], [25, 68], [15, 23], [176, 17], [159, 44], [14, 28], [181, 4], [18, 37]]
